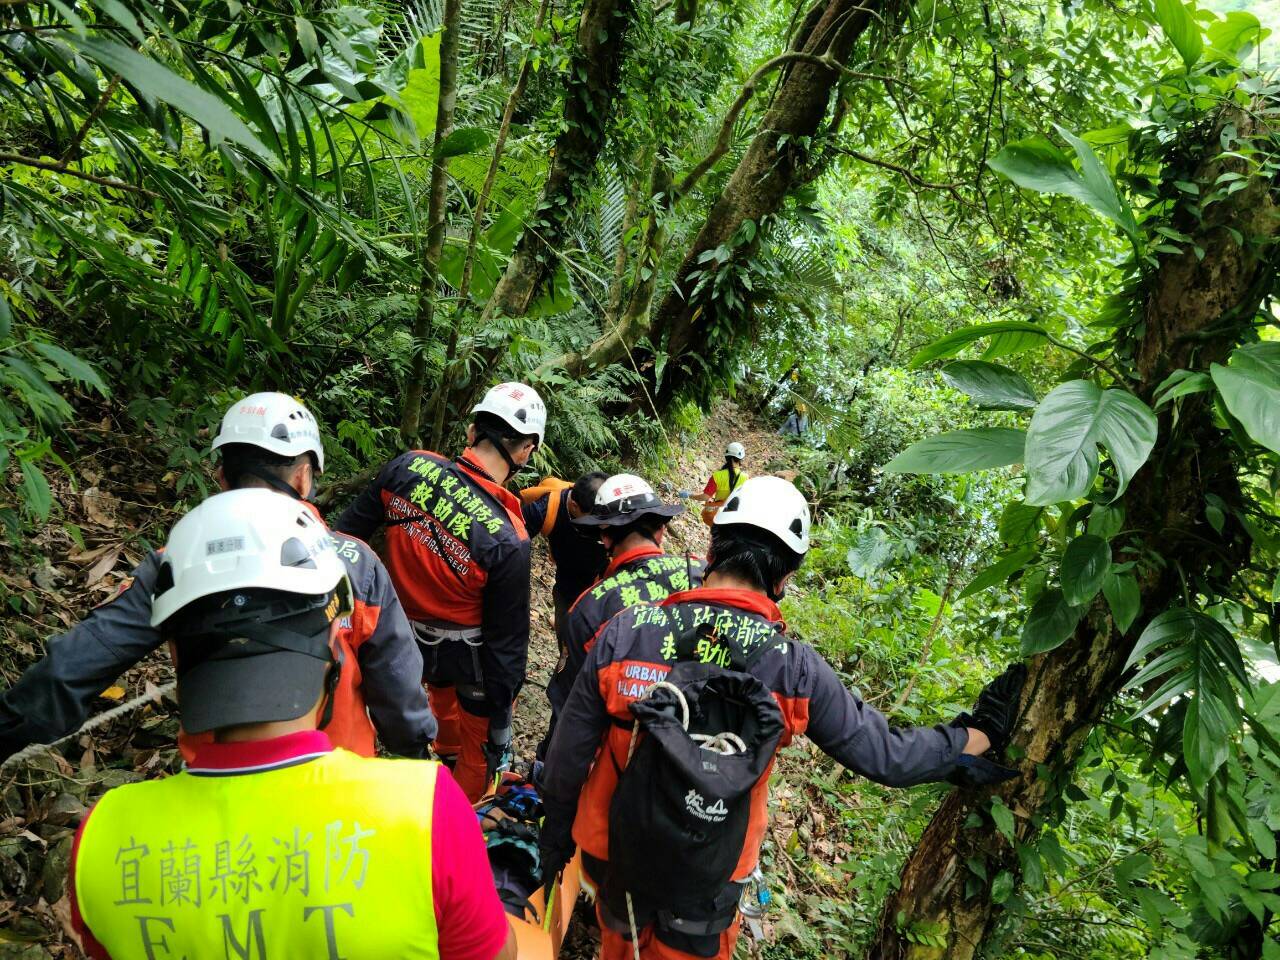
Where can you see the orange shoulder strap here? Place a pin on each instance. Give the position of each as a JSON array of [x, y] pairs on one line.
[[549, 487]]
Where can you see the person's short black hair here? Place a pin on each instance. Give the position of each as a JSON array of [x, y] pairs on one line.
[[242, 462], [585, 489], [752, 554], [489, 426], [647, 526]]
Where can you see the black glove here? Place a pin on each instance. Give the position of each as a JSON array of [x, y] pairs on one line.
[[997, 708], [555, 842], [974, 771], [497, 753]]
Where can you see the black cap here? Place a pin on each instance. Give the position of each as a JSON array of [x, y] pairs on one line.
[[255, 657], [626, 510]]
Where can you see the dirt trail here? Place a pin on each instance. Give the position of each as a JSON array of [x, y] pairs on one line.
[[108, 519], [694, 461]]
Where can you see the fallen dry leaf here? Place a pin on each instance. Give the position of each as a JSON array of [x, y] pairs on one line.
[[97, 507], [104, 565], [113, 693]]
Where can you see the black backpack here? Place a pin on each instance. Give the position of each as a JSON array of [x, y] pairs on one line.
[[678, 819]]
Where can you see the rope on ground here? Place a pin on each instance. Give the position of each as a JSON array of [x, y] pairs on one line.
[[35, 749]]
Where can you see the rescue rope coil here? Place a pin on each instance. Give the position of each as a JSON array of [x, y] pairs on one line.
[[35, 749]]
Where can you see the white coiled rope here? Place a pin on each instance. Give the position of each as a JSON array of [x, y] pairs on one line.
[[35, 749], [726, 744]]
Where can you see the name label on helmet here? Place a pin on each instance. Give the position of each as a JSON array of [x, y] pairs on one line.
[[225, 545]]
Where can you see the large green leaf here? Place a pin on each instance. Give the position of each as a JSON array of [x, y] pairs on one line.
[[999, 572], [36, 496], [1121, 591], [872, 551], [71, 365], [1019, 523], [1190, 655], [1051, 621], [1181, 28], [155, 80], [1068, 425], [991, 386], [1085, 563], [463, 140], [1036, 164], [957, 340], [1235, 34], [1250, 387], [961, 451]]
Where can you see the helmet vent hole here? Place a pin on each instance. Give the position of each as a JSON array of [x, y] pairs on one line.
[[280, 432], [294, 553]]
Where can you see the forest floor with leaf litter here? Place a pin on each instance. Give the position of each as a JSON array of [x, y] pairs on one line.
[[110, 517]]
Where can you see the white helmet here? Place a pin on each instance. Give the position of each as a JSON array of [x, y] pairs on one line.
[[736, 450], [244, 539], [518, 406], [624, 497], [275, 422], [770, 504]]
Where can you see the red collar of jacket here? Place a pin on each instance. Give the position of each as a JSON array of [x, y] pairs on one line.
[[630, 556], [747, 600], [466, 464], [256, 756]]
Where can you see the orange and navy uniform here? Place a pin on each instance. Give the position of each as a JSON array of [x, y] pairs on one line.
[[381, 665], [636, 649], [642, 575], [458, 554]]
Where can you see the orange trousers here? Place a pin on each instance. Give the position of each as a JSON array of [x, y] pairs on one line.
[[463, 735], [617, 946]]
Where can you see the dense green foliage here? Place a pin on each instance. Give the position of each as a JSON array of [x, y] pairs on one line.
[[199, 200]]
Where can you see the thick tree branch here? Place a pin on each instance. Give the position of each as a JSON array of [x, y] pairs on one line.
[[58, 166]]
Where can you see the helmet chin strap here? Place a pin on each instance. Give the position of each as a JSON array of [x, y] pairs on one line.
[[280, 486], [495, 441], [330, 687]]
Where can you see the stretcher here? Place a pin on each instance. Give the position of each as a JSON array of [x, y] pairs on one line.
[[511, 819], [542, 941]]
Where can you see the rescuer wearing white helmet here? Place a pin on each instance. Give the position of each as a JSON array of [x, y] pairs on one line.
[[631, 521], [728, 632], [458, 552], [271, 441], [724, 481], [271, 835]]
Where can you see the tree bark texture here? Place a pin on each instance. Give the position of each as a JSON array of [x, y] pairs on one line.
[[440, 405], [424, 319], [772, 165], [590, 91], [1192, 313]]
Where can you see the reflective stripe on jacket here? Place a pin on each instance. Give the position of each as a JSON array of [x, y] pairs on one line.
[[636, 649], [329, 856]]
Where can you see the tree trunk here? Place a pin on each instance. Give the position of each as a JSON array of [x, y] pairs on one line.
[[1185, 303], [424, 319], [590, 91], [440, 405], [772, 165]]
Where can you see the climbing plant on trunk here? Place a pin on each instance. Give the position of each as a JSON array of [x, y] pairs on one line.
[[705, 293], [1170, 548]]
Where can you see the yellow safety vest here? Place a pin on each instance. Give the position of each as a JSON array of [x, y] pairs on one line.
[[721, 477], [329, 858]]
